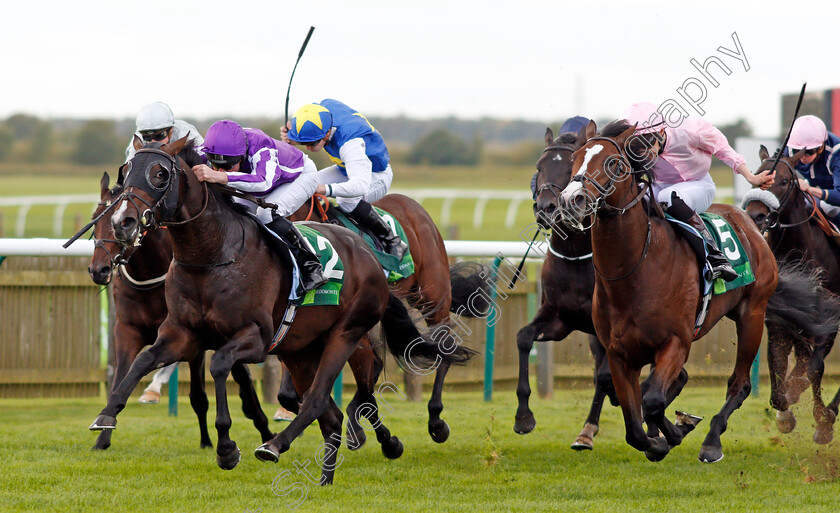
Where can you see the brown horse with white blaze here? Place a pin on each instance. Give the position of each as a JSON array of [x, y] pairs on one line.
[[648, 293], [227, 290]]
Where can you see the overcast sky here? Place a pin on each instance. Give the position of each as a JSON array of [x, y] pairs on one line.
[[535, 60]]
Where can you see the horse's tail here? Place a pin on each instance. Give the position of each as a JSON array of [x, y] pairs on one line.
[[471, 287], [418, 352], [801, 305]]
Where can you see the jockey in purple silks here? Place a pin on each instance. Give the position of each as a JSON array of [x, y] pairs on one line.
[[250, 161]]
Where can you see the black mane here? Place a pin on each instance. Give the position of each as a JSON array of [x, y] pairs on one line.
[[615, 128]]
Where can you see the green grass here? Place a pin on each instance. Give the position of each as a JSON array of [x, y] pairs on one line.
[[155, 463], [39, 220]]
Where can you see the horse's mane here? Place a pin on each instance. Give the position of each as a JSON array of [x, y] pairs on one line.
[[635, 145], [566, 137]]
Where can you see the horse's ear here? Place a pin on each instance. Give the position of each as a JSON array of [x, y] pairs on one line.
[[796, 157], [175, 147], [137, 142], [103, 184], [763, 153], [549, 137], [626, 134], [591, 130]]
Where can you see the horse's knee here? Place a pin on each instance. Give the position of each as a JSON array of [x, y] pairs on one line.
[[525, 338], [603, 378], [653, 404]]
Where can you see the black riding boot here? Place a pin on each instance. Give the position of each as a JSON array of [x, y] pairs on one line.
[[368, 217], [311, 272], [721, 268]]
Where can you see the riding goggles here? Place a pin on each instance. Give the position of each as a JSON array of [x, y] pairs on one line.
[[224, 162], [155, 135], [808, 153]]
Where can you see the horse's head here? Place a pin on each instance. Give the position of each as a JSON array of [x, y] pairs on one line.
[[554, 170], [600, 171], [152, 182], [107, 251], [765, 206]]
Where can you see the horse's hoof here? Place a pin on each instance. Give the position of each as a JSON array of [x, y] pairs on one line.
[[785, 421], [439, 430], [526, 424], [356, 440], [795, 387], [393, 448], [267, 452], [206, 444], [582, 443], [149, 397], [824, 434], [230, 460], [686, 422], [709, 454], [659, 448], [103, 422], [100, 447]]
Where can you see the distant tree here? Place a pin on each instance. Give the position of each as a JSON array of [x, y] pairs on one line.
[[740, 128], [443, 148], [24, 126], [98, 143], [7, 140], [41, 144]]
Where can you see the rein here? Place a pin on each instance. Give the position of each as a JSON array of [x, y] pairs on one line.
[[318, 200]]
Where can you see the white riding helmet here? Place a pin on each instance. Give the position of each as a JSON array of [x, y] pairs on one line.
[[155, 116]]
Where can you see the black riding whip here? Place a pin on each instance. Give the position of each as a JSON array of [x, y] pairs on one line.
[[300, 54], [519, 269], [787, 137]]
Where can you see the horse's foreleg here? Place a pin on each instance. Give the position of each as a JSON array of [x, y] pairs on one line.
[[749, 330], [287, 396], [438, 428], [603, 388], [250, 402], [779, 346], [246, 345], [797, 381], [198, 398], [544, 327], [330, 424], [337, 350], [626, 381], [824, 416], [666, 380], [128, 344], [172, 345]]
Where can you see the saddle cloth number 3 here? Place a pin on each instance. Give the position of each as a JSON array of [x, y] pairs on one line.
[[329, 269], [727, 243]]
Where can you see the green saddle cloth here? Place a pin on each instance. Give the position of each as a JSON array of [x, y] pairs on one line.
[[329, 293], [395, 269], [728, 242]]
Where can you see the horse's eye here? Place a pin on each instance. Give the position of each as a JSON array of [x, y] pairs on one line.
[[785, 181]]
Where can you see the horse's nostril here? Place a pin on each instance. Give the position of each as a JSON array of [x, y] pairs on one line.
[[128, 222]]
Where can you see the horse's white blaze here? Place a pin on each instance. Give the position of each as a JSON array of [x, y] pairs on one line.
[[590, 152], [571, 190], [557, 157], [118, 215]]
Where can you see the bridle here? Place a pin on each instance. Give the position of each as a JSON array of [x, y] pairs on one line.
[[601, 207], [790, 192]]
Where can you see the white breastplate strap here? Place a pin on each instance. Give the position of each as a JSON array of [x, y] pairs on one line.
[[140, 283]]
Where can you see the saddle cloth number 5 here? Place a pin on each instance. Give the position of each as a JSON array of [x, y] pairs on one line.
[[727, 243]]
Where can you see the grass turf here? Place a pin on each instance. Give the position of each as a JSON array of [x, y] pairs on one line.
[[155, 463]]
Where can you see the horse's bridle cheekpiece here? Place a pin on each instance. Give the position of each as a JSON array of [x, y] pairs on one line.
[[165, 195]]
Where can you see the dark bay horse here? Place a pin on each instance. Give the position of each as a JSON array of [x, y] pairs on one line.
[[568, 281], [137, 275], [791, 222], [648, 294], [435, 289], [228, 291]]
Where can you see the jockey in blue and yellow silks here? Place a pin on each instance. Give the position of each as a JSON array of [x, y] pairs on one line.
[[361, 173]]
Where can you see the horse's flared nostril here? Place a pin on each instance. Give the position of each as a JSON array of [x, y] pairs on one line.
[[128, 223]]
